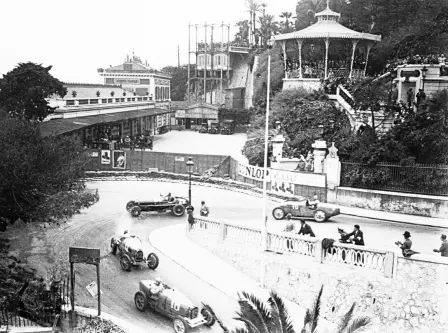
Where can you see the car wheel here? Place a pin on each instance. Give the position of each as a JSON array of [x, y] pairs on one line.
[[125, 263], [153, 261], [278, 213], [140, 301], [178, 210], [129, 205], [319, 216], [210, 319], [179, 325], [136, 211]]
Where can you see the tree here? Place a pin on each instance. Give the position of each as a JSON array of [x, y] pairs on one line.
[[305, 11], [253, 7], [285, 25], [40, 178], [268, 27], [24, 90], [178, 86], [243, 31]]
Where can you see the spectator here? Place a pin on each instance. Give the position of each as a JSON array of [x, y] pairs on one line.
[[204, 209], [289, 227], [410, 97], [443, 248], [421, 96], [406, 246], [305, 229], [358, 236]]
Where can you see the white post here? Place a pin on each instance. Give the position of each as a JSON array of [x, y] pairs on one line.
[[299, 42], [266, 136], [327, 45], [284, 60], [354, 43]]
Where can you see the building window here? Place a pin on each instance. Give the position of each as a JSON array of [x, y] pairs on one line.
[[109, 100], [133, 99], [104, 100], [70, 102], [129, 99], [145, 98], [218, 58], [139, 98], [83, 101], [93, 101]]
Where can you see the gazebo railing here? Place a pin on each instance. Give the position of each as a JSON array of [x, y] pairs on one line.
[[319, 73]]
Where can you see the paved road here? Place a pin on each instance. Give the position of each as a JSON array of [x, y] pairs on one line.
[[95, 226]]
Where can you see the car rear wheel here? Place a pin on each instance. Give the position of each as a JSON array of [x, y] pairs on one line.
[[153, 261], [129, 205], [319, 216], [178, 210], [278, 213], [140, 301], [179, 325], [210, 319], [125, 263], [136, 211]]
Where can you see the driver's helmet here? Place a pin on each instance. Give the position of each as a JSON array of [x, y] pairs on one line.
[[158, 280]]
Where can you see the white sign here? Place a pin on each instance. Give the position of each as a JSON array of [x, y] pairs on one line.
[[179, 159], [297, 177], [127, 81], [252, 172], [92, 288]]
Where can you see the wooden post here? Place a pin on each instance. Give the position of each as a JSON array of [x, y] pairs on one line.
[[99, 289], [72, 292], [354, 43]]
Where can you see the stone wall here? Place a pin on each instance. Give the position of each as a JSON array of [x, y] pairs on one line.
[[393, 202], [414, 300]]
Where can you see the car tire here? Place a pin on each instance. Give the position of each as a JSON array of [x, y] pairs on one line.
[[210, 319], [136, 211], [152, 261], [278, 213], [178, 210], [129, 205], [180, 325], [125, 263], [140, 301], [320, 216]]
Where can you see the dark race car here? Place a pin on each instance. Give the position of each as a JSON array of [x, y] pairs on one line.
[[215, 128], [173, 304], [176, 205], [319, 212], [204, 128], [228, 127], [131, 252]]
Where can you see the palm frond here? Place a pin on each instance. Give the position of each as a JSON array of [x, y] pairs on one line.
[[250, 327], [257, 315], [357, 325], [315, 312], [346, 318], [307, 319], [221, 324], [240, 330], [279, 313]]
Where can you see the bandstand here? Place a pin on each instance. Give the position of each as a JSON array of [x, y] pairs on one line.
[[324, 50]]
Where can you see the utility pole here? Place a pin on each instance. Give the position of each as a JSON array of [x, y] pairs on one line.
[[178, 51], [188, 69], [205, 63]]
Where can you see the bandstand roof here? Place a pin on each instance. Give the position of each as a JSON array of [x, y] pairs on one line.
[[327, 26]]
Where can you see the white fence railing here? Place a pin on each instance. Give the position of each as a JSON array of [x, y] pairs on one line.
[[376, 261]]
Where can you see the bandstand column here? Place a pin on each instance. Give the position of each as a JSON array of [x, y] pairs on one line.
[[299, 43], [369, 47], [354, 43], [327, 46], [284, 58]]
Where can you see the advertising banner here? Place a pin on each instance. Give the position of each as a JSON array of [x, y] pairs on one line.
[[297, 177], [253, 172], [119, 159], [105, 156]]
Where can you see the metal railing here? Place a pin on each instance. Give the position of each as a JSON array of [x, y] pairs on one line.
[[373, 260], [427, 179]]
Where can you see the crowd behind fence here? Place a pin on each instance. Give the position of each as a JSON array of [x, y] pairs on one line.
[[427, 179], [373, 260]]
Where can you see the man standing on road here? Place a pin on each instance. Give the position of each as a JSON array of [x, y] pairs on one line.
[[406, 246], [444, 247], [358, 236], [305, 229], [204, 209]]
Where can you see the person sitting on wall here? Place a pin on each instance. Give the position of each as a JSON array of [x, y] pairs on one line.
[[204, 209]]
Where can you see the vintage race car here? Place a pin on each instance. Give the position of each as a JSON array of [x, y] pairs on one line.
[[204, 128], [319, 213], [131, 252], [176, 205], [215, 128], [173, 304]]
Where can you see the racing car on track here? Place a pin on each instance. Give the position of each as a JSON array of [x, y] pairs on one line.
[[131, 252], [300, 208], [176, 205], [171, 303]]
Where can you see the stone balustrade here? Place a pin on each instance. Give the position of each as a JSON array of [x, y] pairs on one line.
[[362, 257]]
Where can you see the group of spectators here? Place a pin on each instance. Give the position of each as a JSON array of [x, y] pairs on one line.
[[132, 142]]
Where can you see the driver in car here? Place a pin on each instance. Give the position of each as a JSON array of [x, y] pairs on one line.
[[156, 288], [312, 204], [169, 198]]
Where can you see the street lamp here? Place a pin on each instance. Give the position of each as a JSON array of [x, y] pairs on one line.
[[424, 71], [321, 131], [190, 165]]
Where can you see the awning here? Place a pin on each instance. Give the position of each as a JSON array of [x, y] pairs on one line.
[[61, 126]]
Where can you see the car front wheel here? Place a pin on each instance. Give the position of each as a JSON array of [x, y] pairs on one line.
[[179, 325], [153, 261], [136, 211], [178, 210], [129, 205], [319, 216], [278, 213], [140, 301], [210, 319], [125, 263]]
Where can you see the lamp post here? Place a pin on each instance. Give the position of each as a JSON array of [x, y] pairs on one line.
[[424, 71], [190, 165], [321, 131]]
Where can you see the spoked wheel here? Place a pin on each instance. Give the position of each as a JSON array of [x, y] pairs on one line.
[[153, 261], [125, 263], [210, 319], [140, 301], [136, 211], [130, 204], [179, 325], [278, 213], [178, 210], [319, 216]]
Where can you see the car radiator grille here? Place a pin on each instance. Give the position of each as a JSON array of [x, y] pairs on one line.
[[139, 256], [194, 313]]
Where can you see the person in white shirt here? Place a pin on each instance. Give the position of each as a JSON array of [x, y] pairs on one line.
[[313, 203]]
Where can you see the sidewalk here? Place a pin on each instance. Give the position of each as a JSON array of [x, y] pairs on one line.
[[395, 217], [214, 271]]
